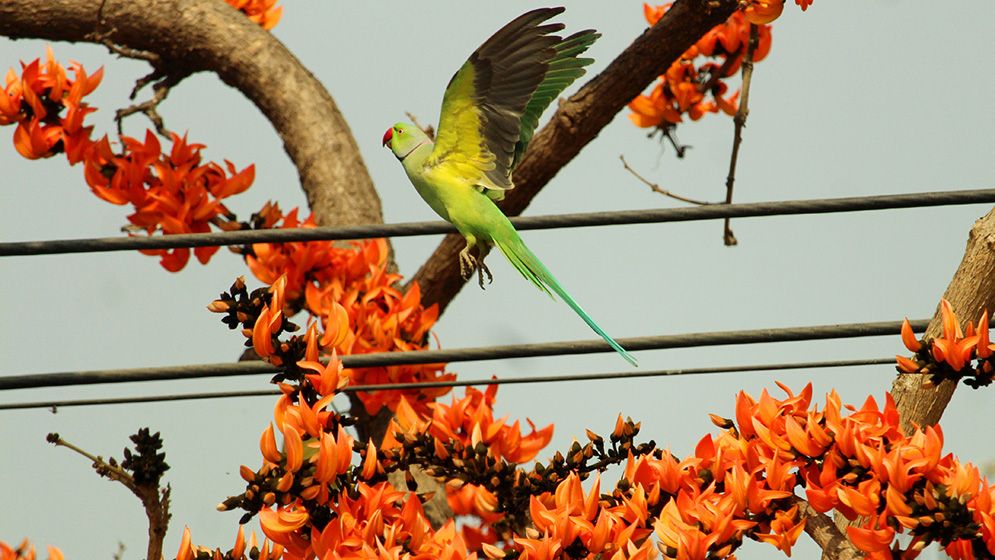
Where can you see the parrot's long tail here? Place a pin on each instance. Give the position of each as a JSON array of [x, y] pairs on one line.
[[532, 268]]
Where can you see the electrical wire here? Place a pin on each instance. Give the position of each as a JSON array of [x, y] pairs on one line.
[[617, 375], [625, 217], [691, 340]]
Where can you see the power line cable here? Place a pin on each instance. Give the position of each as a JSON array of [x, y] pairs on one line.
[[617, 375], [691, 340], [625, 217]]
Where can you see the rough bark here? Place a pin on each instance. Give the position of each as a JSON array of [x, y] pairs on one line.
[[578, 120], [189, 36]]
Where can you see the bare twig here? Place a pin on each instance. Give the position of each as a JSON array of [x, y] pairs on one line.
[[160, 90], [102, 37], [658, 189], [739, 121], [154, 499], [128, 52], [427, 129]]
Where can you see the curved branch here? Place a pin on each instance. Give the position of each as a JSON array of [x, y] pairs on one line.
[[578, 120], [190, 36]]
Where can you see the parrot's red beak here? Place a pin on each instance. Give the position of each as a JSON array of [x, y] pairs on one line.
[[387, 136]]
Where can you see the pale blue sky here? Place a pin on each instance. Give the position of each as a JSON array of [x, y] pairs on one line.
[[856, 98]]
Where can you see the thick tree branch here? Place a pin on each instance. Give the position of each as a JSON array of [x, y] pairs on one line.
[[971, 290], [190, 36], [579, 119]]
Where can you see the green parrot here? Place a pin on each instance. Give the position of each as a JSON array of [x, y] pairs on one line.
[[489, 112]]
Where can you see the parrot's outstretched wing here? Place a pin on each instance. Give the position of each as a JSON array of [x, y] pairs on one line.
[[513, 76]]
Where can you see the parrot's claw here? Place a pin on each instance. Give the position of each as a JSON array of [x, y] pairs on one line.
[[481, 269], [468, 264]]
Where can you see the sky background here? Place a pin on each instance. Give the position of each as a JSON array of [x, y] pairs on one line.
[[856, 98]]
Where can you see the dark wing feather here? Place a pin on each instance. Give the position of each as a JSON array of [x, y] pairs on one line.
[[564, 68], [481, 122]]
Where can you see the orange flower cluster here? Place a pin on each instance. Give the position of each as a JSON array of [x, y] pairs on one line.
[[569, 516], [863, 466], [741, 484], [380, 522], [172, 192], [321, 493], [26, 551], [470, 422], [693, 85], [357, 303], [951, 356], [242, 550], [263, 12], [313, 501], [35, 101]]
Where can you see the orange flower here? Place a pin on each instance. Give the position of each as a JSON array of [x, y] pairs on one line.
[[784, 530], [954, 348], [269, 323], [35, 101], [262, 12], [984, 347], [875, 542], [909, 337], [759, 12], [267, 445], [961, 549], [685, 86], [278, 523], [186, 548]]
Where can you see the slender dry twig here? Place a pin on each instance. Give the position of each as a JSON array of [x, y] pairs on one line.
[[739, 122], [427, 129], [658, 189], [154, 499], [160, 90]]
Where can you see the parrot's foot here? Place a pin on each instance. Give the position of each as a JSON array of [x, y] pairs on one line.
[[481, 269], [468, 264]]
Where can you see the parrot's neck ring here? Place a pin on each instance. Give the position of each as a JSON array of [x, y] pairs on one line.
[[418, 145]]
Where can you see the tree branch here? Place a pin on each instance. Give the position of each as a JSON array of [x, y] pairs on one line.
[[190, 36], [820, 527], [971, 290], [739, 122], [154, 500], [578, 120], [660, 190]]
